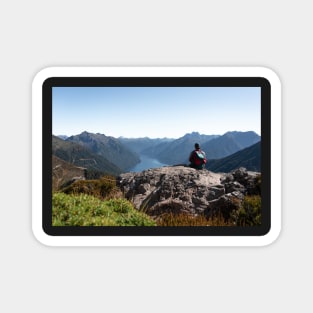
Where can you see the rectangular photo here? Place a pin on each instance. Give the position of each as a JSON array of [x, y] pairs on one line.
[[165, 156]]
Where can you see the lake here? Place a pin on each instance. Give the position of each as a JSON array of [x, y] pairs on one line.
[[146, 163]]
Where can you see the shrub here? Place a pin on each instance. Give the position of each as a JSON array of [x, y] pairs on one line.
[[102, 188], [249, 214]]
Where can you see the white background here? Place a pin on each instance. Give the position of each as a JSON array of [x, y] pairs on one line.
[[38, 34]]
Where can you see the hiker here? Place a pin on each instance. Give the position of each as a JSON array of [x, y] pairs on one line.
[[197, 158]]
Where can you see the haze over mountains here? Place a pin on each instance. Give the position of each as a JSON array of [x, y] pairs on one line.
[[105, 154], [177, 151], [139, 145]]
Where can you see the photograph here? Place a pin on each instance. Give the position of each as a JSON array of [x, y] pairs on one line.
[[157, 156]]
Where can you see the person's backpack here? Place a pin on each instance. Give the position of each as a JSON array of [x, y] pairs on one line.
[[199, 158]]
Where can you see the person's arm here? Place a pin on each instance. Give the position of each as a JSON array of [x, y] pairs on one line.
[[190, 157]]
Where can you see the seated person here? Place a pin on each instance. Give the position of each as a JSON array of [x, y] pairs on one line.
[[197, 158]]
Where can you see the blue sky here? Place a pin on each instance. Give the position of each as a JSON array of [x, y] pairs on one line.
[[155, 112]]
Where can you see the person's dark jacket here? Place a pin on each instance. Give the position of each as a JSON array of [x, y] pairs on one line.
[[195, 161]]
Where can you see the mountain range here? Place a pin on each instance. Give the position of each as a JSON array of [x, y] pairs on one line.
[[109, 155], [108, 147], [215, 146], [78, 155], [178, 150]]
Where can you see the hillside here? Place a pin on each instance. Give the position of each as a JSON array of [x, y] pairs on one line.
[[64, 172], [250, 158], [108, 147], [78, 155]]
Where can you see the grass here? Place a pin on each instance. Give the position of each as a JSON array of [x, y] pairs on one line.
[[86, 210], [100, 202], [183, 219]]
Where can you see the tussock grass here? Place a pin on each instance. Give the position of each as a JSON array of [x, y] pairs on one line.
[[184, 219]]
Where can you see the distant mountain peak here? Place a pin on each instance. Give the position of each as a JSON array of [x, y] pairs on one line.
[[237, 132], [64, 137], [192, 134]]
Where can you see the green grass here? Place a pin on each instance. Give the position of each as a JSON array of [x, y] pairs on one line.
[[86, 210]]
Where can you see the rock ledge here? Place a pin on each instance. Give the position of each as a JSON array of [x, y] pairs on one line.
[[182, 189]]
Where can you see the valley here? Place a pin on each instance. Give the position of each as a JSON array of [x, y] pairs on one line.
[[147, 182], [100, 155]]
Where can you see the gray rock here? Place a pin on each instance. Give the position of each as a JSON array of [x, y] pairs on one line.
[[144, 188], [183, 189]]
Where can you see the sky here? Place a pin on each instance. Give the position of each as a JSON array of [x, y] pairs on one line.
[[155, 112]]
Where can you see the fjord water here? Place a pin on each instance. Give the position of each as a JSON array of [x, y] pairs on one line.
[[145, 163]]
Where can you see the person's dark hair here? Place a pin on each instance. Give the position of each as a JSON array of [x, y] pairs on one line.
[[197, 146]]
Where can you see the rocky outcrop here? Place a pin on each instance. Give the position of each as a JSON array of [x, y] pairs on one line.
[[180, 189], [64, 174]]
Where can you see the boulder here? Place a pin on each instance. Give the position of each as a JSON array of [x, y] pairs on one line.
[[177, 189]]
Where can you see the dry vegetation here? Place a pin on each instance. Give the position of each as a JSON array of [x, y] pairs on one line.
[[100, 202]]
